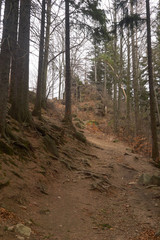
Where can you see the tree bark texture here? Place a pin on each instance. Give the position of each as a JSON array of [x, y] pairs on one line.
[[68, 112], [38, 103], [135, 79], [45, 64], [155, 151], [20, 109], [14, 48], [1, 1], [5, 57], [128, 80], [121, 73], [115, 78]]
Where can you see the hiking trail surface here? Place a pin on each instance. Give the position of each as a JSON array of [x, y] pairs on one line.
[[94, 196]]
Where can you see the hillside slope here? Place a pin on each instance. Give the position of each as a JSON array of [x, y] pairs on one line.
[[63, 187]]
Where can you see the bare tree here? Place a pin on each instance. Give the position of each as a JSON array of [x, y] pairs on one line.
[[20, 109], [68, 112], [155, 151], [38, 103], [5, 57]]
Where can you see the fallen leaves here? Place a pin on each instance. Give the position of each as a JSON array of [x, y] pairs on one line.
[[148, 234], [6, 215]]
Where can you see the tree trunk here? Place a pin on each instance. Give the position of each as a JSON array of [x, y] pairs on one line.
[[1, 1], [45, 64], [135, 80], [115, 78], [63, 67], [155, 151], [95, 64], [38, 103], [68, 112], [60, 78], [128, 80], [14, 48], [20, 109], [121, 71], [5, 57]]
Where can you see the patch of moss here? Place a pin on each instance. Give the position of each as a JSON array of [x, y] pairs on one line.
[[44, 212], [79, 120], [105, 226], [79, 136], [93, 122], [77, 124]]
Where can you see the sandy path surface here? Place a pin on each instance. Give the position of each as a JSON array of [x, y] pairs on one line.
[[101, 200]]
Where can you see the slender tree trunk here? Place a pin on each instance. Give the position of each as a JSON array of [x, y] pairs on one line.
[[121, 71], [1, 1], [68, 112], [135, 80], [5, 57], [128, 80], [60, 78], [105, 82], [45, 64], [115, 67], [53, 75], [63, 67], [95, 64], [38, 103], [20, 107], [155, 151], [105, 75]]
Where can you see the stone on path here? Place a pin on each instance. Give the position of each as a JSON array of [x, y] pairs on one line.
[[23, 230], [146, 179]]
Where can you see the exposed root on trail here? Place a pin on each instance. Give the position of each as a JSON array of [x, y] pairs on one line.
[[101, 186], [101, 182], [127, 167], [68, 164], [87, 154]]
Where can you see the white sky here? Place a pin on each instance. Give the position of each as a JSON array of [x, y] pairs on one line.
[[34, 60]]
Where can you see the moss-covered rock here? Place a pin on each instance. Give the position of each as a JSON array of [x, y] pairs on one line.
[[79, 136], [78, 125]]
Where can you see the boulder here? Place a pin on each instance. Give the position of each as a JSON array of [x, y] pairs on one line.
[[155, 180], [146, 179], [20, 238]]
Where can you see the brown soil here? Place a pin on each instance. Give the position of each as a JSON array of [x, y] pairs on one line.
[[90, 192]]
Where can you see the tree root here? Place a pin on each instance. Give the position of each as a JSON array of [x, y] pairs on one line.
[[101, 182], [87, 154], [127, 167], [67, 164], [101, 186]]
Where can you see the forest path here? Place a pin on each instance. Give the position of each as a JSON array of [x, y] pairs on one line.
[[102, 200]]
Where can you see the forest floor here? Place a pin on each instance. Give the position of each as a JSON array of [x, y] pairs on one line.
[[89, 192]]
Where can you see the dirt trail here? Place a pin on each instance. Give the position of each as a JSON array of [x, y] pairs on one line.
[[102, 200]]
